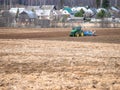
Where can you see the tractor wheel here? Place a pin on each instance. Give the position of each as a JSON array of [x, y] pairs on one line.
[[81, 34], [77, 34]]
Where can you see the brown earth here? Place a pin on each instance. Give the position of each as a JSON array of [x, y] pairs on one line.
[[107, 35], [48, 59]]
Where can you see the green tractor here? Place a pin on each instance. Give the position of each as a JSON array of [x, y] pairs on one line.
[[76, 32]]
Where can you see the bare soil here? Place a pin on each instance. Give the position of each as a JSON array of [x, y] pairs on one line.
[[48, 59], [107, 35]]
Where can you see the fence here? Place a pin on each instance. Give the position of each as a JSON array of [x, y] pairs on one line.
[[10, 22]]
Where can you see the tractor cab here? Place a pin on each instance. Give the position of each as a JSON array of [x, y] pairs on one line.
[[76, 31]]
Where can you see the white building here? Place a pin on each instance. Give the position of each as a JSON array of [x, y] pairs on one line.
[[79, 8], [99, 9], [14, 10], [46, 12], [64, 12]]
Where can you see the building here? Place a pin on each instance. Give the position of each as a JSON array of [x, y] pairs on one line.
[[16, 9], [46, 12], [7, 18], [27, 17]]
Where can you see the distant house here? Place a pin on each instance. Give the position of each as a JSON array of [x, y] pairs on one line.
[[79, 8], [115, 9], [27, 17], [39, 13], [66, 11], [58, 13], [46, 12], [94, 10], [89, 13], [74, 9], [115, 12], [7, 18], [14, 10], [99, 9]]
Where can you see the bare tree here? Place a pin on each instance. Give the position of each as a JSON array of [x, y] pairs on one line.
[[4, 4], [11, 3], [36, 2], [101, 2], [61, 3], [98, 3], [116, 1], [72, 3]]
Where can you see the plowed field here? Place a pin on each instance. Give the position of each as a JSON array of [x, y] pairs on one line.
[[48, 59]]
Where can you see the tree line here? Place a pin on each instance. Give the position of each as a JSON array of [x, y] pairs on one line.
[[92, 3]]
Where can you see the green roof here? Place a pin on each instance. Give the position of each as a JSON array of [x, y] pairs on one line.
[[68, 9]]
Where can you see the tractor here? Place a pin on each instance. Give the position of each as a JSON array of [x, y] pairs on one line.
[[77, 32]]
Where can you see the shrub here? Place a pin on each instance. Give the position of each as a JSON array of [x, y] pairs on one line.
[[80, 13], [101, 14]]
